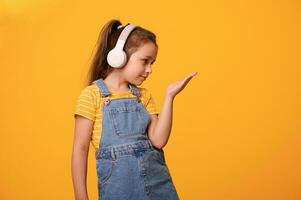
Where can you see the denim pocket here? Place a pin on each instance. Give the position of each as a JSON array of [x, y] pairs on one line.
[[104, 170], [129, 120]]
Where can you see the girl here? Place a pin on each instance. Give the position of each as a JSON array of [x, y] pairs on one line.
[[121, 120]]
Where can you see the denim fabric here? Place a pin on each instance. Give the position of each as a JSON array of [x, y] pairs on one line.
[[128, 166]]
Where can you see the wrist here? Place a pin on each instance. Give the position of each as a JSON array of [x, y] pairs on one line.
[[169, 97]]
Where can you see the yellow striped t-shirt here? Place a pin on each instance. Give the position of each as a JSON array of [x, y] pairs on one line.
[[89, 105]]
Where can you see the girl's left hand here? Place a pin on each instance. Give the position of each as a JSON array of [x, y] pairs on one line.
[[174, 88]]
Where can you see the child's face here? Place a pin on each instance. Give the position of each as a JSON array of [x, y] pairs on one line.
[[138, 68]]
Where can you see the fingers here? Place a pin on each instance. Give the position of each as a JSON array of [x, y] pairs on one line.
[[190, 76], [187, 78]]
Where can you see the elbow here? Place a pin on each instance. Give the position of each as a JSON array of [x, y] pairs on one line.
[[157, 144], [161, 146], [80, 148], [84, 148]]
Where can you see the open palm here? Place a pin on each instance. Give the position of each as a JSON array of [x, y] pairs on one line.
[[174, 88]]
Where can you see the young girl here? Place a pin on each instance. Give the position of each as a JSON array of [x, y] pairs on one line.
[[121, 120]]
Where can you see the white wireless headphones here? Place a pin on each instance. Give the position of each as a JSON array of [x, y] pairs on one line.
[[117, 56]]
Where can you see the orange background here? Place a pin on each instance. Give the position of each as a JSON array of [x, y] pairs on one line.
[[236, 126]]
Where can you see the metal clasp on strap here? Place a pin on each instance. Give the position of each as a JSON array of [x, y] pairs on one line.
[[106, 101]]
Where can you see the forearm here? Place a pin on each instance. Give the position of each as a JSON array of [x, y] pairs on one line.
[[79, 173], [164, 125]]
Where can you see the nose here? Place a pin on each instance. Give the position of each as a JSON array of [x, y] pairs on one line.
[[149, 69]]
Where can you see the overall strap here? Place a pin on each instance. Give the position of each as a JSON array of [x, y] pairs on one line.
[[135, 90], [102, 87]]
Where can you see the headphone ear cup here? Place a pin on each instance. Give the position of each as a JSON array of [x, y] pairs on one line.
[[116, 58]]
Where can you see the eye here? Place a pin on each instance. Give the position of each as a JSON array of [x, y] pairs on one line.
[[145, 61]]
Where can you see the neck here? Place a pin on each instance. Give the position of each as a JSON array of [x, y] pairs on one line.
[[115, 82]]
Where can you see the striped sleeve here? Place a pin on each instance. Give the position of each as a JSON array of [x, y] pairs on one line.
[[150, 103], [86, 104]]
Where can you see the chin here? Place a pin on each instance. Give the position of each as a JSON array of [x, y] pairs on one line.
[[137, 82]]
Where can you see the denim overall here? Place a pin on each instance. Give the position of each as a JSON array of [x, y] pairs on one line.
[[128, 166]]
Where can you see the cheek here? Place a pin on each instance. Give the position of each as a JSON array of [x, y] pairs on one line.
[[131, 71], [134, 69]]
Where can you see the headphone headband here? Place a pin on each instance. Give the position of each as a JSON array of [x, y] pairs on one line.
[[124, 35]]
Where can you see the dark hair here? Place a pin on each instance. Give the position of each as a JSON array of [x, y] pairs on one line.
[[107, 40]]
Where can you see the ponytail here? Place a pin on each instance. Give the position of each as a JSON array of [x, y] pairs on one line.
[[99, 67]]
